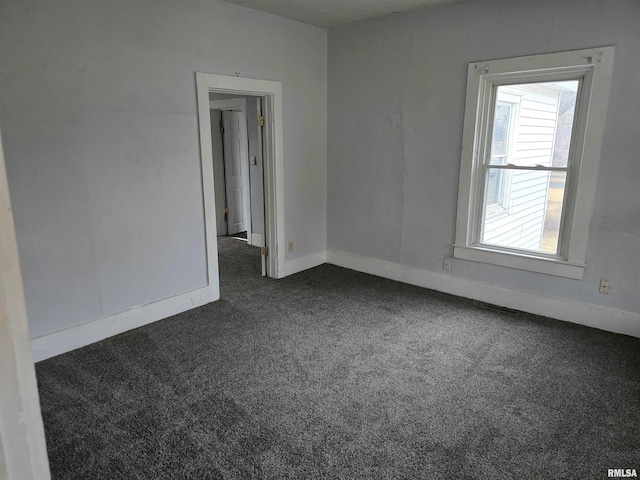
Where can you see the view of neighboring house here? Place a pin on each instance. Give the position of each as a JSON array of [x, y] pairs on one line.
[[532, 128]]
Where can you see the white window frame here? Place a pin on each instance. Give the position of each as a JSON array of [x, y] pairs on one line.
[[594, 68]]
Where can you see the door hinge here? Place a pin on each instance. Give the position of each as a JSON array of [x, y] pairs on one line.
[[221, 128], [261, 121], [264, 251], [226, 211]]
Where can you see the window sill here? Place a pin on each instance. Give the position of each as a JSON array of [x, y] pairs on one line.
[[520, 261]]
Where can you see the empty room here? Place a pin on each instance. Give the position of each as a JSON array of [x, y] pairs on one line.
[[299, 239]]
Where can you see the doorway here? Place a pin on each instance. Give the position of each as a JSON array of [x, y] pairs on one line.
[[238, 166], [272, 180]]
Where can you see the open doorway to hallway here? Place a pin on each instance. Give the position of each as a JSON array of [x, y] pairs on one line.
[[237, 155], [237, 169], [270, 160]]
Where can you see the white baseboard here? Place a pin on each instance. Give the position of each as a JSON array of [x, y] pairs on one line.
[[597, 316], [304, 263], [84, 334], [256, 239], [604, 318]]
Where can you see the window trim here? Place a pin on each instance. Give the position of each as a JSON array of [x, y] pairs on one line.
[[594, 66]]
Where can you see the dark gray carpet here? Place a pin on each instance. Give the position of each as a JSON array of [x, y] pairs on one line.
[[336, 374]]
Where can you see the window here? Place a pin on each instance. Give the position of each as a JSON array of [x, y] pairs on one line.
[[531, 149]]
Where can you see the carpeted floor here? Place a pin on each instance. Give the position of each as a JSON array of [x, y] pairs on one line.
[[340, 375]]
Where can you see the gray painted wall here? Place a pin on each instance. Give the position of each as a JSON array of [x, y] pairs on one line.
[[98, 110], [396, 107], [218, 172], [254, 170]]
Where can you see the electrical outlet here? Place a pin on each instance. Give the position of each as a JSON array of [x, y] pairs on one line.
[[290, 247], [446, 264], [605, 286]]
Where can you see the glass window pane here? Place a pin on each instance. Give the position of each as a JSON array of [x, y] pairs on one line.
[[533, 123], [495, 185], [501, 123], [528, 211]]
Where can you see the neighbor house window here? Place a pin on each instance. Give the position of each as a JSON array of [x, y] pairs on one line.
[[531, 148], [497, 195]]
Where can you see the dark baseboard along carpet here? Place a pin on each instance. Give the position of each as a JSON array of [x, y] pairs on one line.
[[336, 374]]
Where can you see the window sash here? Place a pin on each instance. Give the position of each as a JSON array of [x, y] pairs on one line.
[[511, 166], [487, 107], [484, 208]]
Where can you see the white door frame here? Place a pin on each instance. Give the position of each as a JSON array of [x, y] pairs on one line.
[[273, 166], [236, 104], [22, 442]]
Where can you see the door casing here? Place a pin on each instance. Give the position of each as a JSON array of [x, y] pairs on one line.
[[22, 441], [274, 226]]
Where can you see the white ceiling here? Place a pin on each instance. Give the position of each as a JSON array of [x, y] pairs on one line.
[[334, 13]]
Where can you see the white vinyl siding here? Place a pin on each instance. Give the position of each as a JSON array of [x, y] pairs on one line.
[[522, 224]]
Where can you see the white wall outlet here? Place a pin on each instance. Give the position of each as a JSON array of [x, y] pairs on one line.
[[446, 264], [605, 286], [290, 246]]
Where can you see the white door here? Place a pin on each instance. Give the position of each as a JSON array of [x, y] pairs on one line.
[[236, 171]]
